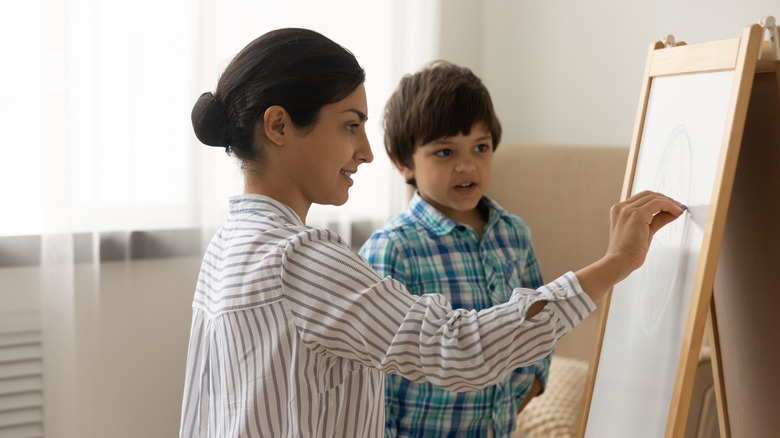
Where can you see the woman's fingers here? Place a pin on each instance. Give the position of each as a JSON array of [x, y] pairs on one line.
[[652, 203], [635, 221], [661, 219], [647, 206]]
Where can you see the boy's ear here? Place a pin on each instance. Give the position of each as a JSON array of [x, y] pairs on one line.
[[406, 172], [274, 124]]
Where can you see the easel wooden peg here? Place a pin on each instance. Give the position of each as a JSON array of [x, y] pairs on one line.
[[770, 34], [669, 41]]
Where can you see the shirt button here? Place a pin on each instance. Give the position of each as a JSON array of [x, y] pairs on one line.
[[561, 293], [461, 228], [492, 287]]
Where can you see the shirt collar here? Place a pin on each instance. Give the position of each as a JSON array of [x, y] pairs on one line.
[[434, 220], [256, 203]]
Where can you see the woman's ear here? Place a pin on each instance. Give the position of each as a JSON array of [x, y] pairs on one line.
[[275, 122]]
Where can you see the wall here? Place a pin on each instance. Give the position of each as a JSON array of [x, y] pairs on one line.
[[569, 72], [131, 325]]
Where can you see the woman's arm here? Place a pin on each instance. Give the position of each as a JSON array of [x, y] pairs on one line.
[[342, 307]]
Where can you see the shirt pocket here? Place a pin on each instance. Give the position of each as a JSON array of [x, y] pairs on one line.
[[334, 372], [502, 277]]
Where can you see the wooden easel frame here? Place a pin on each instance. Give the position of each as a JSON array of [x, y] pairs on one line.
[[761, 144], [741, 56]]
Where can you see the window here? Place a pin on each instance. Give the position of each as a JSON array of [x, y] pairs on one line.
[[96, 108]]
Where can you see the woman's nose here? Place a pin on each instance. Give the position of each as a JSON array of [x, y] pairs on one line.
[[363, 153]]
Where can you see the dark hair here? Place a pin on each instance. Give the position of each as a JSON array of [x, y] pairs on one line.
[[297, 69], [440, 100]]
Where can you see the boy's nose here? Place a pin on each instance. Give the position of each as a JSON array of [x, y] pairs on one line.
[[464, 165]]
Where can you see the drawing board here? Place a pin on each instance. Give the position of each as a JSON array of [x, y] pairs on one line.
[[686, 142], [678, 156]]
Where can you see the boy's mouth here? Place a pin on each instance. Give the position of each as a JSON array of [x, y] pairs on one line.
[[467, 185]]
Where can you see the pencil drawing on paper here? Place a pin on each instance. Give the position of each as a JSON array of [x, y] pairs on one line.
[[663, 263]]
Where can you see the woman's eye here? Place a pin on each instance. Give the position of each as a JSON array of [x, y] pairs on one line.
[[443, 153]]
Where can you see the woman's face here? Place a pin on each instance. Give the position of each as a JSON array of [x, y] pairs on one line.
[[331, 152]]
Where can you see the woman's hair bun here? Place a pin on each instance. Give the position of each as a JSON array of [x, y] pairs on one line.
[[210, 122]]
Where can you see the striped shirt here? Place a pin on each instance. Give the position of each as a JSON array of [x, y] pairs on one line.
[[430, 253], [292, 332]]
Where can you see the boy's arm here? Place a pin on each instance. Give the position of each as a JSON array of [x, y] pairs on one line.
[[536, 389], [392, 383], [531, 276], [537, 373], [384, 255]]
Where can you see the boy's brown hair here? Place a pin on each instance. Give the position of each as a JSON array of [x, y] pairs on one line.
[[440, 100]]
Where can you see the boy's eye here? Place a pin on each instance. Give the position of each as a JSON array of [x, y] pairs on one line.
[[443, 152], [482, 148]]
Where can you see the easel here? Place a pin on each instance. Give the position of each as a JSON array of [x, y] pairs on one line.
[[741, 239], [743, 334]]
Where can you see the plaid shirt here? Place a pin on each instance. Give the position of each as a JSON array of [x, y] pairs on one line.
[[430, 253]]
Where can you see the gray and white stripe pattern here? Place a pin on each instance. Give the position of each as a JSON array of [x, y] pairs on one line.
[[291, 332]]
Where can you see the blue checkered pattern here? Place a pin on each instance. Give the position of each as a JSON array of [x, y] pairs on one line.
[[431, 253]]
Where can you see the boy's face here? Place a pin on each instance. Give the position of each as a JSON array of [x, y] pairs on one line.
[[453, 173]]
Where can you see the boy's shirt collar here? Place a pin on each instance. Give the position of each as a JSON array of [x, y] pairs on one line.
[[435, 221]]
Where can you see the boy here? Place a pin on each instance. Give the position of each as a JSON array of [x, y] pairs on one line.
[[441, 132]]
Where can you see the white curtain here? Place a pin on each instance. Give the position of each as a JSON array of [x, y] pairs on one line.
[[107, 199]]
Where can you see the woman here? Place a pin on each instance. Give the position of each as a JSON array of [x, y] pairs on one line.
[[291, 330]]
